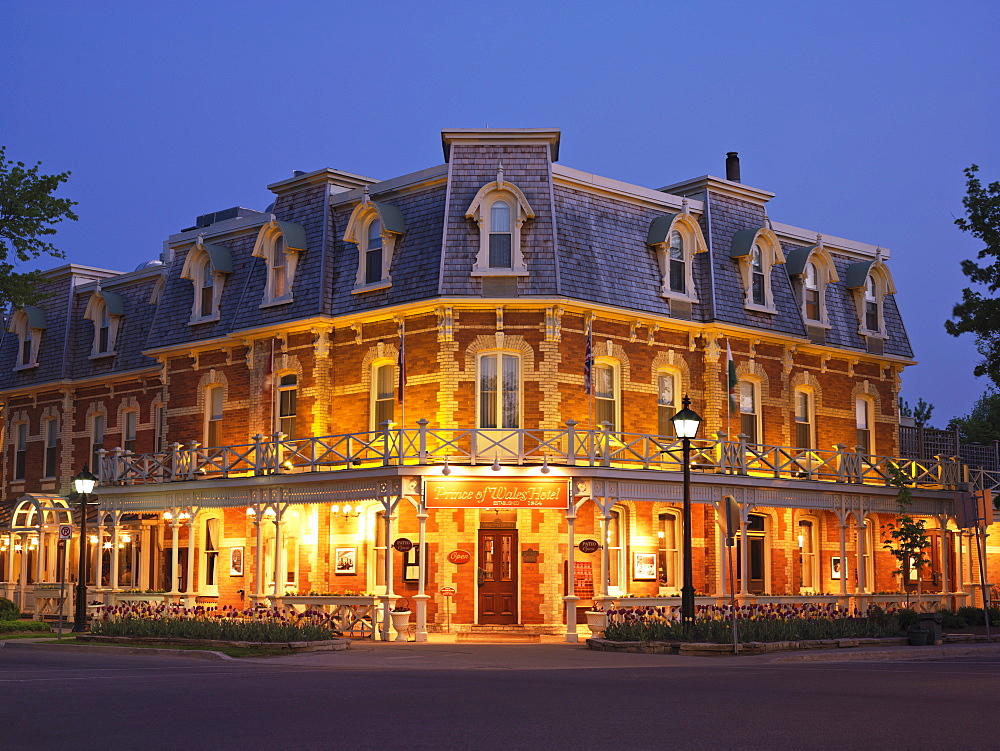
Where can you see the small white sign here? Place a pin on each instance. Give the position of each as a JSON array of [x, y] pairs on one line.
[[65, 531]]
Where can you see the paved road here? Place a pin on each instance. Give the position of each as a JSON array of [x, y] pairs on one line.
[[482, 696]]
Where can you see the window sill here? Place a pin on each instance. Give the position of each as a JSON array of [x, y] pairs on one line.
[[759, 308], [478, 271], [279, 301], [667, 294], [102, 355], [381, 284], [205, 319], [816, 324], [872, 334], [28, 366]]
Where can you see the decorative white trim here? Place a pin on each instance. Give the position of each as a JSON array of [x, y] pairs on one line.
[[20, 325], [479, 212], [692, 242], [771, 255], [264, 248], [357, 232], [96, 308]]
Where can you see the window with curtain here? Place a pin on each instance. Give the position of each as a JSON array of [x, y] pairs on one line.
[[51, 446], [616, 551], [279, 269], [287, 397], [207, 291], [500, 236], [666, 403], [383, 394], [605, 394], [669, 553], [863, 415], [807, 553], [212, 539], [499, 391], [678, 272], [871, 304], [810, 292], [749, 411], [803, 419], [757, 276], [20, 450], [129, 420], [213, 415], [373, 252]]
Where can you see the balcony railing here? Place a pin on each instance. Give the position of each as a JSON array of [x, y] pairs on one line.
[[568, 447]]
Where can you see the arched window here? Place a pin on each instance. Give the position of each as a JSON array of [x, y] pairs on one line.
[[129, 420], [29, 325], [668, 534], [103, 331], [499, 390], [206, 291], [500, 209], [206, 266], [804, 428], [808, 556], [871, 305], [287, 397], [810, 287], [280, 245], [214, 398], [757, 252], [666, 402], [678, 277], [749, 392], [500, 235], [757, 276], [105, 309], [870, 282], [676, 238], [383, 398], [373, 252], [863, 419], [279, 269], [606, 394]]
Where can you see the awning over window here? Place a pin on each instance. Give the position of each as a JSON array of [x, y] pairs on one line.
[[659, 228]]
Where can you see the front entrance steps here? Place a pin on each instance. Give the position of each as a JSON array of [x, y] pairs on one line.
[[508, 634]]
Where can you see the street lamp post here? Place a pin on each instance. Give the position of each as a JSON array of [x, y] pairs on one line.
[[83, 484], [686, 424]]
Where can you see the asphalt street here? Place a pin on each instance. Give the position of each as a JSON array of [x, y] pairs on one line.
[[488, 696]]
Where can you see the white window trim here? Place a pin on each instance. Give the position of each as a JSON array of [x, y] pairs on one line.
[[616, 370], [870, 414], [624, 567], [373, 388], [357, 233], [758, 394], [45, 446], [207, 410], [811, 396], [826, 273], [520, 387], [814, 563], [676, 550], [693, 242], [204, 588], [675, 374], [479, 212], [771, 255], [278, 389], [96, 308], [16, 433], [263, 248], [124, 424], [883, 287], [197, 264], [19, 325]]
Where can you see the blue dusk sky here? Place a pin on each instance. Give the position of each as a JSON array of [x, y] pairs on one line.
[[860, 116]]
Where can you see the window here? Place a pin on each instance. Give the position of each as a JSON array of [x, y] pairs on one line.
[[678, 278], [810, 287], [211, 552], [213, 415], [51, 445], [605, 394], [29, 324], [96, 440], [26, 358], [500, 209], [676, 238], [159, 428], [207, 266], [375, 227], [206, 293], [500, 236], [104, 332], [286, 406], [757, 276], [378, 549], [129, 420], [756, 554], [499, 391], [871, 305], [279, 270], [373, 252], [105, 310], [279, 244], [666, 401], [808, 558], [617, 565], [863, 416], [870, 283], [749, 411], [803, 419], [383, 394], [669, 553], [20, 449], [869, 559]]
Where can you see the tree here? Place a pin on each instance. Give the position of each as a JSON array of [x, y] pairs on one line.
[[909, 537], [921, 413], [979, 313], [28, 209], [982, 424]]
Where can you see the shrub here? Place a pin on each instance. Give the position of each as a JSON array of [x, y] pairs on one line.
[[8, 610], [907, 617], [13, 627]]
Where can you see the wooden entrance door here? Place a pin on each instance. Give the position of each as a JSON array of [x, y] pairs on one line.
[[497, 576], [755, 580]]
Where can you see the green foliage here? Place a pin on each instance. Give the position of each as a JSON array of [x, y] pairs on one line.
[[921, 413], [13, 627], [9, 611], [982, 424], [906, 617], [979, 312], [909, 535], [28, 209]]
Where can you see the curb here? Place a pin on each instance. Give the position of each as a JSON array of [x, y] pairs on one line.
[[943, 652], [193, 654]]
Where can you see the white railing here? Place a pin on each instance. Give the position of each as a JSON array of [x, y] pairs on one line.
[[568, 447]]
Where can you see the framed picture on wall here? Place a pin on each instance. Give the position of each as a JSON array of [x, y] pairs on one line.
[[644, 567], [838, 568], [236, 561], [345, 561]]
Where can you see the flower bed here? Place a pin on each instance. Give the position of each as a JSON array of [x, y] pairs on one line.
[[755, 623], [173, 622]]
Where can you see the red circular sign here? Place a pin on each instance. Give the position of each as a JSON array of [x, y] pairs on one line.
[[459, 557], [589, 546], [403, 545], [448, 591]]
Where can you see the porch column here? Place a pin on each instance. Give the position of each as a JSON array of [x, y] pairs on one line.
[[145, 547], [174, 552], [9, 573], [39, 556], [571, 599], [968, 580], [945, 557], [279, 556], [23, 578], [422, 596], [190, 589], [843, 560], [605, 553], [258, 560], [114, 555], [860, 556], [744, 554], [99, 563], [389, 517]]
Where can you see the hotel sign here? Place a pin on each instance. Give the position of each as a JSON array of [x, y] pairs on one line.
[[516, 492]]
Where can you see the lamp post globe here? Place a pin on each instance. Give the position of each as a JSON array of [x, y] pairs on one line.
[[686, 423], [83, 485]]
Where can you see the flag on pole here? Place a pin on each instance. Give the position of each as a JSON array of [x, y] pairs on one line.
[[401, 362], [588, 361], [733, 378]]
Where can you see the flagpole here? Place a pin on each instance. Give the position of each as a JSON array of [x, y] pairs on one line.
[[402, 374]]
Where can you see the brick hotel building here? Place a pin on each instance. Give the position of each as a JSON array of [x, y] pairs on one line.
[[285, 393]]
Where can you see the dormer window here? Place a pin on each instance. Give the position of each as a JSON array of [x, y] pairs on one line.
[[500, 210], [811, 269], [207, 266], [105, 310], [757, 252], [870, 282], [280, 244], [375, 227], [676, 238], [871, 305], [810, 293], [29, 325]]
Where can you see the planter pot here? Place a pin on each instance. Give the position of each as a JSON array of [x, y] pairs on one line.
[[597, 621], [400, 622], [918, 637]]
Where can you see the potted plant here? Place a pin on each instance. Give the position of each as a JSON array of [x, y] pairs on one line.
[[400, 616], [597, 620]]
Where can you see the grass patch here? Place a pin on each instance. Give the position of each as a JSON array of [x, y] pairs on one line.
[[18, 627]]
